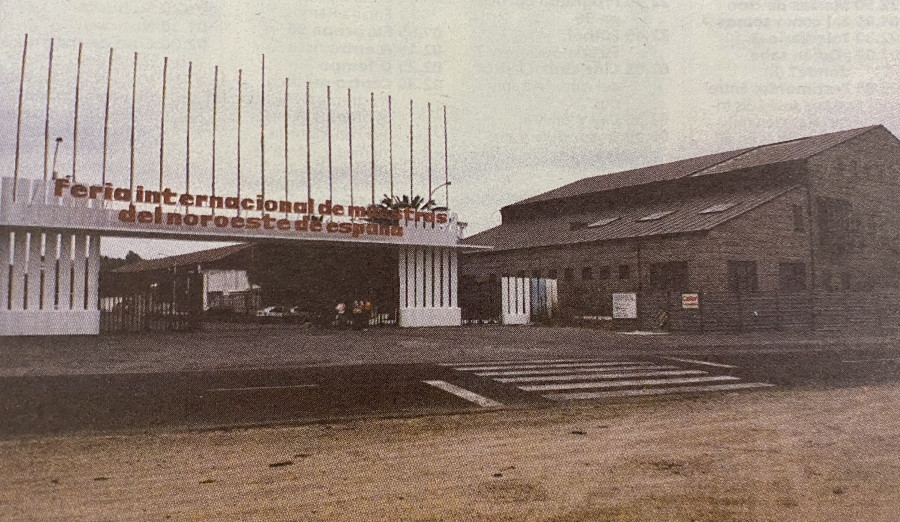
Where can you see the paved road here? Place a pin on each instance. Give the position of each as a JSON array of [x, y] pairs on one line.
[[58, 404]]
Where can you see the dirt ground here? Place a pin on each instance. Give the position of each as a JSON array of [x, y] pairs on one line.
[[779, 455]]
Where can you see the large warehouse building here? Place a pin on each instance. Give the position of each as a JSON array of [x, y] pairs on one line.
[[766, 236]]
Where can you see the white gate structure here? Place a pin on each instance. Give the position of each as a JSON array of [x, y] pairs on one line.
[[523, 299], [52, 248]]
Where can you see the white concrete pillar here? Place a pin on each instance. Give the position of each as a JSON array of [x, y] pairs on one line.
[[20, 255], [454, 278], [403, 276], [34, 271], [79, 262], [428, 279], [51, 246], [93, 274], [445, 277], [420, 277], [6, 247], [65, 272]]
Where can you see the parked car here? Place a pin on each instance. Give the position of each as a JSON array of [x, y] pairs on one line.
[[299, 314], [271, 313]]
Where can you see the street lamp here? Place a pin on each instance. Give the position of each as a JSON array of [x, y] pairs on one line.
[[56, 155], [447, 184]]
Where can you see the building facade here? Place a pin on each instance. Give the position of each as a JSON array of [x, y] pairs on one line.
[[784, 220]]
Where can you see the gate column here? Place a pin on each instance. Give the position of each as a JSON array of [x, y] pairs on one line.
[[426, 276]]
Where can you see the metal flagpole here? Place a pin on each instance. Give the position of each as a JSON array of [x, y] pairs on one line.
[[47, 115], [330, 176], [19, 120], [162, 123], [308, 168], [75, 126], [429, 153], [286, 139], [372, 141], [410, 150], [106, 116], [240, 84], [262, 131], [350, 128], [391, 145], [215, 107], [133, 96], [446, 165], [187, 149]]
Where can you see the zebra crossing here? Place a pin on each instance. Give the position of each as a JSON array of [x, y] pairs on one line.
[[580, 379]]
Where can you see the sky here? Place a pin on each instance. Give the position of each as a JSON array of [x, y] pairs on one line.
[[537, 94]]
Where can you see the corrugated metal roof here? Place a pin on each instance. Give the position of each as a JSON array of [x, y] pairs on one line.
[[191, 259], [710, 164], [686, 217]]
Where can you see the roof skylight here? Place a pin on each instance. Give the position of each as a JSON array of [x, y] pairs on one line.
[[603, 222], [721, 207], [656, 215]]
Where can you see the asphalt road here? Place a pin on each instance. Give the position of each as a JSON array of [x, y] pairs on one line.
[[108, 403]]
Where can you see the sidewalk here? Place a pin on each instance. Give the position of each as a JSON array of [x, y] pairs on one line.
[[250, 346], [774, 455]]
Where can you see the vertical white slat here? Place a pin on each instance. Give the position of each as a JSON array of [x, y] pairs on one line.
[[526, 297], [79, 262], [402, 276], [51, 245], [505, 294], [420, 277], [93, 269], [428, 279], [454, 284], [445, 280], [65, 267], [34, 271], [6, 248], [410, 277], [20, 254]]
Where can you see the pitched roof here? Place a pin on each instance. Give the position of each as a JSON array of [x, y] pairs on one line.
[[722, 162], [698, 213], [191, 259]]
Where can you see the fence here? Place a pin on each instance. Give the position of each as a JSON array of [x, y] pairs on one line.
[[141, 312], [730, 312]]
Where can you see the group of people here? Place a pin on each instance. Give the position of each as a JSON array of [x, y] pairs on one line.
[[359, 317]]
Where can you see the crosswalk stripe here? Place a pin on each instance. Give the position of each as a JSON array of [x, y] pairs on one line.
[[470, 396], [655, 391], [600, 376], [622, 384], [705, 363], [526, 361], [546, 365], [560, 371]]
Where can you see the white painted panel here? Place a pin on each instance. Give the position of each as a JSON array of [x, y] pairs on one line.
[[415, 317], [50, 252], [20, 254], [65, 267], [49, 322], [420, 277], [505, 296], [34, 271], [79, 262], [526, 296], [402, 277], [428, 280], [445, 279], [93, 263], [454, 285], [5, 252]]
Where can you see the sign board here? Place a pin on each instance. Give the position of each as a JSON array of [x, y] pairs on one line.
[[690, 301], [624, 306]]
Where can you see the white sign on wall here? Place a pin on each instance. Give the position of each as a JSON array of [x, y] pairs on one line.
[[624, 306]]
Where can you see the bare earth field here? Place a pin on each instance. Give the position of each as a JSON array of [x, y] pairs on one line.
[[773, 455]]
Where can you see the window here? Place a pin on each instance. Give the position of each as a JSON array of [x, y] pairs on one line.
[[587, 273], [799, 219], [672, 275], [603, 222], [551, 274], [624, 272], [742, 277], [603, 273], [715, 209], [792, 277], [569, 274], [833, 220], [656, 215]]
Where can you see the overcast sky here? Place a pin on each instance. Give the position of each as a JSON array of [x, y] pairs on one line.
[[538, 94]]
